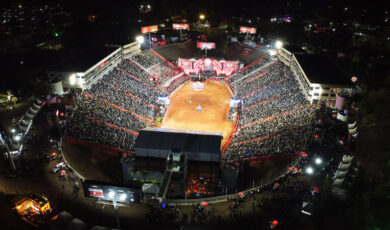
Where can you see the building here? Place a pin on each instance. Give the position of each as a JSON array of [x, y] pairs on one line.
[[319, 77]]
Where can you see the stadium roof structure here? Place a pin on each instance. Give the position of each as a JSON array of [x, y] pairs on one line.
[[82, 60], [320, 69], [294, 49], [198, 145]]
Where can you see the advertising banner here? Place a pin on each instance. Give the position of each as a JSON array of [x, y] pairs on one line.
[[183, 26], [149, 29], [249, 30]]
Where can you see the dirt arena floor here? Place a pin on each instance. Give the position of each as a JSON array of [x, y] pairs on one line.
[[214, 99]]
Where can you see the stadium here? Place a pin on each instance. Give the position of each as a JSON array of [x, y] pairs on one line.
[[238, 125]]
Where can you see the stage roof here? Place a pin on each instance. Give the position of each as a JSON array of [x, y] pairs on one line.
[[159, 142]]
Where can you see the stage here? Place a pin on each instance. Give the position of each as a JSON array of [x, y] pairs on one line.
[[214, 100]]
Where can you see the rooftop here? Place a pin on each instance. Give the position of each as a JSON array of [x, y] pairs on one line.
[[320, 69], [82, 60]]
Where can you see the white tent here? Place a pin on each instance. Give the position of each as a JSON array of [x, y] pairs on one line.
[[150, 188]]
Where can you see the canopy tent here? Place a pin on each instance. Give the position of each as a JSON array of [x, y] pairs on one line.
[[150, 188]]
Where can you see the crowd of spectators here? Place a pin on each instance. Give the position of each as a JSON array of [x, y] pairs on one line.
[[176, 83], [146, 59], [263, 61], [79, 126], [111, 110], [276, 117]]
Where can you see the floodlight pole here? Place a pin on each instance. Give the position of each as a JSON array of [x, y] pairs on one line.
[[150, 41], [116, 214]]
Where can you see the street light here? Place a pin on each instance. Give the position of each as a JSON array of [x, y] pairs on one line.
[[318, 161], [309, 170], [140, 39], [202, 17], [278, 44]]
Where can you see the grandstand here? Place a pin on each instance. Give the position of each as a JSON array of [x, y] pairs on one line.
[[274, 115]]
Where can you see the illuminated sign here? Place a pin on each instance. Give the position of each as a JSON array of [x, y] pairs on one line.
[[149, 29], [220, 67], [184, 26], [94, 192], [205, 45], [105, 191], [249, 30]]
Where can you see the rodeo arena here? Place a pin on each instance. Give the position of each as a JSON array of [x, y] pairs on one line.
[[170, 132]]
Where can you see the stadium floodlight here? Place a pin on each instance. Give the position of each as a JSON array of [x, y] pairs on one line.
[[272, 52], [309, 170], [278, 44], [202, 17], [72, 79], [17, 138], [318, 160], [140, 39], [122, 196], [111, 194]]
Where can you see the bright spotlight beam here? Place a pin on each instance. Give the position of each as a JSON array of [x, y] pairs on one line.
[[278, 44], [309, 170], [140, 39]]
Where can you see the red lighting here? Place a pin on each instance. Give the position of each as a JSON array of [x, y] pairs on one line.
[[53, 154], [274, 222], [62, 114], [316, 136], [240, 193], [289, 168], [316, 189], [102, 64], [296, 169], [319, 121], [334, 115], [304, 154], [205, 45], [204, 203], [331, 104]]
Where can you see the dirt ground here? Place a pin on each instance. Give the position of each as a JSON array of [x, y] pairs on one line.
[[214, 99]]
